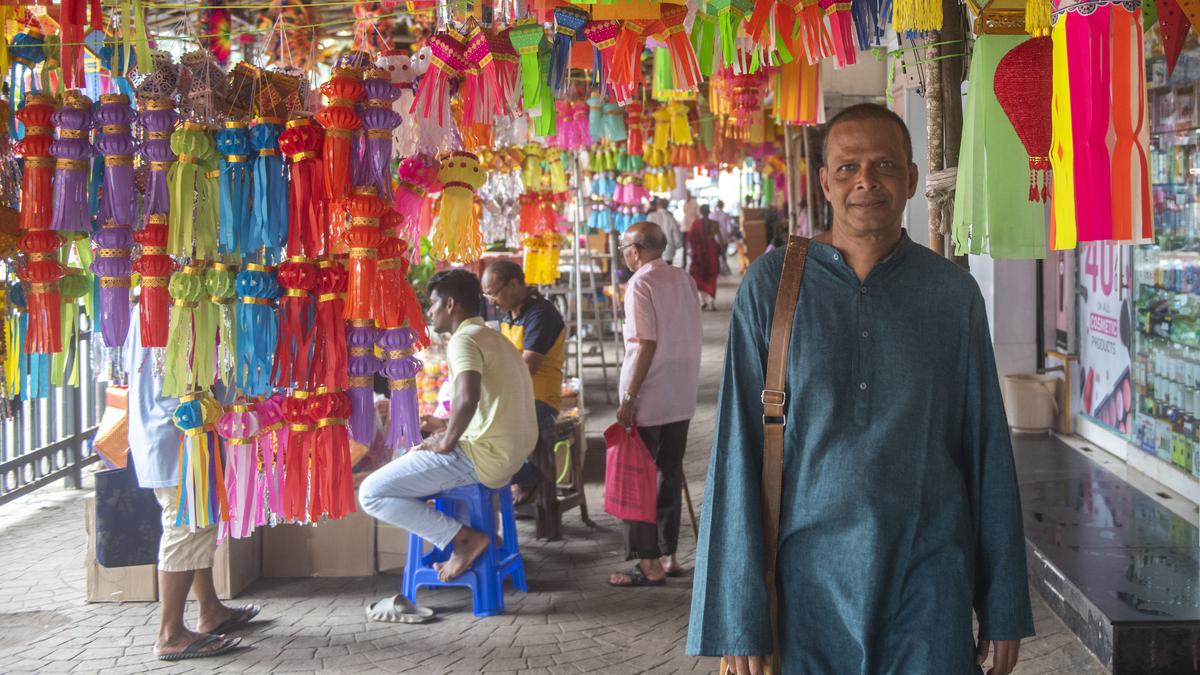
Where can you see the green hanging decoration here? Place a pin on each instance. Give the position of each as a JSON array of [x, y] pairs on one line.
[[64, 366], [187, 289], [546, 123], [528, 37], [703, 37], [192, 227], [222, 293]]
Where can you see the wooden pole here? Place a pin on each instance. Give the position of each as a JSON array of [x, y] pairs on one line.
[[952, 77], [933, 130]]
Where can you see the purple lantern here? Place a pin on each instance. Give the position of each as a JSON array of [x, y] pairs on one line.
[[113, 244], [379, 120], [71, 152], [360, 338], [401, 368], [113, 117], [158, 118]]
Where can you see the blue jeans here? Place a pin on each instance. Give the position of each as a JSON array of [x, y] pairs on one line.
[[393, 494], [529, 475]]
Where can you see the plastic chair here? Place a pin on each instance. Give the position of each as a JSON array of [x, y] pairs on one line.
[[472, 504]]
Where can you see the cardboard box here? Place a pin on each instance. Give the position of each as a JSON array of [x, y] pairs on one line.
[[333, 548], [391, 549], [237, 565], [114, 584]]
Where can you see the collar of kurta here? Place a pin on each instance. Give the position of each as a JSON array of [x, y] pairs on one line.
[[645, 268], [473, 321], [831, 255]]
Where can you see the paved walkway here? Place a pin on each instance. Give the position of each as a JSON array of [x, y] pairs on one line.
[[570, 622]]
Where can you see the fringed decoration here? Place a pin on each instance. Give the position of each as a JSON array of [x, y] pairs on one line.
[[684, 66], [798, 96], [329, 339], [258, 328], [1037, 17], [400, 71], [272, 453], [193, 146], [233, 143], [527, 37], [401, 368], [457, 238], [626, 72], [343, 91], [681, 131], [269, 218], [546, 121], [841, 27], [39, 243], [72, 153], [603, 37], [662, 128], [221, 282], [114, 244], [202, 500], [297, 457], [595, 104], [154, 267], [446, 64], [297, 278], [308, 228], [379, 121], [730, 15], [417, 176], [360, 338], [207, 325], [362, 239], [636, 133], [187, 289], [332, 490], [387, 307], [811, 24], [113, 117], [568, 22], [239, 427], [158, 119], [916, 16], [480, 93]]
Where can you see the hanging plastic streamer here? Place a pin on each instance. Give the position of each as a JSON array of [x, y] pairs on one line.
[[297, 457], [72, 153], [916, 16], [417, 177], [114, 244], [298, 279], [269, 219], [362, 239], [258, 328], [308, 229], [527, 37], [545, 122], [401, 368], [26, 52], [239, 427], [568, 22], [445, 65], [595, 104], [1132, 218], [64, 368], [626, 71], [508, 72], [158, 119], [202, 500], [342, 92], [684, 66], [332, 489], [662, 129], [329, 339], [187, 290], [380, 121], [480, 90], [730, 14], [114, 239], [870, 21], [360, 337], [272, 452], [841, 27], [193, 219], [39, 243], [456, 237], [154, 267], [799, 98], [221, 282], [614, 130], [399, 68], [635, 134], [233, 144]]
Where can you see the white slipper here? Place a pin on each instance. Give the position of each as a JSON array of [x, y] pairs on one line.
[[398, 609]]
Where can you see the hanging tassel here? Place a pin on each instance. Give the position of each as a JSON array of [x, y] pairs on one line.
[[446, 64], [207, 324], [239, 427], [39, 243], [268, 220], [298, 278], [360, 337], [343, 91], [527, 37], [308, 228], [272, 444], [379, 121], [197, 480], [627, 59], [681, 132], [916, 16], [401, 368], [258, 328], [417, 177], [568, 22], [703, 38], [480, 91], [186, 288], [114, 244], [233, 143], [221, 282], [603, 37], [729, 20], [297, 456], [72, 153], [387, 308], [456, 237], [329, 338], [194, 147], [158, 119], [333, 483], [841, 25], [1037, 17], [546, 121], [362, 238], [154, 267], [684, 66]]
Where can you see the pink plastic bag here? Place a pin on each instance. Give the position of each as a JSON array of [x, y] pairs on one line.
[[630, 477]]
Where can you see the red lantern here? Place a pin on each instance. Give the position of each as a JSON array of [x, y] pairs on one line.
[[1023, 88], [297, 277], [308, 229], [362, 238], [343, 91], [155, 268], [42, 269], [329, 367], [332, 490]]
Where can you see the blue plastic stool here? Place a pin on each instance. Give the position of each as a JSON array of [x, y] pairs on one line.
[[471, 504]]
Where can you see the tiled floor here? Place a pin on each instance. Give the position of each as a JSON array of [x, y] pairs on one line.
[[570, 622]]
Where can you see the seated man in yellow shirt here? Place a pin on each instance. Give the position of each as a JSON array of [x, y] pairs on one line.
[[534, 325], [488, 436]]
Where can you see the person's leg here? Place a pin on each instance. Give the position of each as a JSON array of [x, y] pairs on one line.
[[641, 539], [533, 472], [670, 490]]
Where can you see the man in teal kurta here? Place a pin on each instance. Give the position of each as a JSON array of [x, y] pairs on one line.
[[900, 513]]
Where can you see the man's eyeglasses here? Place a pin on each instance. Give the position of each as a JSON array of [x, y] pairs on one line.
[[492, 295], [622, 247]]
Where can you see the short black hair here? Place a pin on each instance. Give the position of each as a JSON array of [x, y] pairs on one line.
[[506, 270], [704, 210], [458, 284], [862, 112]]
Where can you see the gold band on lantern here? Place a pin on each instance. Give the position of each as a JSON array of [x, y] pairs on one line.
[[339, 133], [185, 304], [379, 134], [42, 257], [215, 173], [364, 253], [236, 159], [39, 162], [160, 166], [388, 264], [300, 394], [118, 160], [330, 421], [406, 383], [302, 428], [160, 104], [156, 219], [366, 381], [239, 440], [195, 268], [330, 297], [113, 252], [188, 398], [298, 122], [274, 427], [195, 126], [361, 323], [107, 99], [70, 164], [379, 103], [361, 351], [363, 220], [187, 159], [301, 156], [235, 124], [114, 282], [297, 259], [159, 135], [246, 300], [48, 287], [220, 266], [398, 353], [115, 128], [325, 264], [239, 408], [321, 390], [268, 152], [296, 293], [153, 282], [39, 131], [267, 120], [255, 267], [154, 250], [418, 190], [338, 100], [70, 133], [222, 300]]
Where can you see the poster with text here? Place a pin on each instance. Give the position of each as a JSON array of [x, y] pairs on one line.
[[1106, 329]]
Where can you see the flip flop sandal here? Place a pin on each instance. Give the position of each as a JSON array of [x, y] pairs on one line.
[[675, 574], [637, 578], [398, 609], [196, 650], [240, 619]]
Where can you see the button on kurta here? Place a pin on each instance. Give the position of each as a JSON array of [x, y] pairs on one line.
[[862, 385]]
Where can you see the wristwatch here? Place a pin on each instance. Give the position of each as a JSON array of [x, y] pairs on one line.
[[629, 397]]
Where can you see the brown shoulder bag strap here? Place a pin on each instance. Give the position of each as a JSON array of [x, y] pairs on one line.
[[774, 401]]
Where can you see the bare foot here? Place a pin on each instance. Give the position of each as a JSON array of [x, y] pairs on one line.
[[210, 622], [469, 544], [670, 565], [648, 572]]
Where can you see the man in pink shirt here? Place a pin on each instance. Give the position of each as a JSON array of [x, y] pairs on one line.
[[659, 381]]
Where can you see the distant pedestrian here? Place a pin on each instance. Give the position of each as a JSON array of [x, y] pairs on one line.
[[705, 250]]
